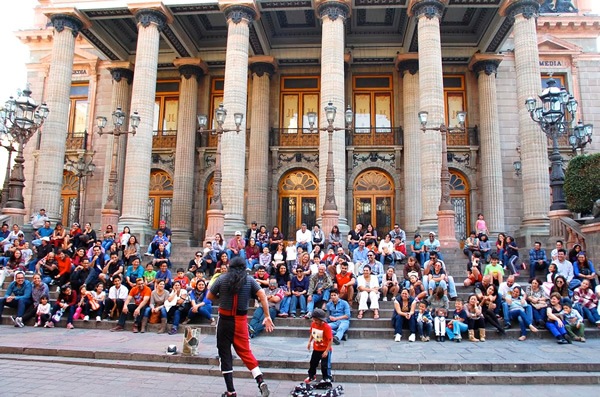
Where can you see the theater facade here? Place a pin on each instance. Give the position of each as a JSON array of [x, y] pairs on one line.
[[275, 62]]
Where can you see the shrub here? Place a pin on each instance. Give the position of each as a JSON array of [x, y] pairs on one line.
[[582, 183]]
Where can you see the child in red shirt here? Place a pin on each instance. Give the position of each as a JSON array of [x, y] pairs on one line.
[[182, 278], [321, 338]]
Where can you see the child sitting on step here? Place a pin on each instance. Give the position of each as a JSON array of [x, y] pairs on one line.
[[424, 322]]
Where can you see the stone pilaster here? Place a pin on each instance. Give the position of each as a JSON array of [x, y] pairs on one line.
[[47, 186], [431, 99], [258, 162], [191, 69], [408, 66], [235, 96], [534, 152], [122, 76], [333, 14], [139, 146], [485, 68]]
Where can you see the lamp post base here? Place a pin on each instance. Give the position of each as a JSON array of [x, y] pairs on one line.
[[446, 229], [556, 231], [329, 219], [109, 217], [16, 215], [215, 224]]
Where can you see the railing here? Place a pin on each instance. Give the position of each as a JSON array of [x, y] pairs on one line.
[[76, 140], [166, 139], [294, 137], [570, 229], [376, 136]]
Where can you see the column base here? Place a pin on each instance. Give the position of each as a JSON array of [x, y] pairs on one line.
[[446, 229], [233, 223], [329, 218], [183, 238], [215, 224], [526, 235], [109, 217], [14, 215], [428, 225]]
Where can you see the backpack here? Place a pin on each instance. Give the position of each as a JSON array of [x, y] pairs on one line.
[[322, 389]]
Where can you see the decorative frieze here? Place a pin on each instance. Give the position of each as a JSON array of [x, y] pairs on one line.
[[373, 157], [298, 157]]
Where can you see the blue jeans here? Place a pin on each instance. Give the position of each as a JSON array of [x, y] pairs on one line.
[[524, 321], [458, 327], [294, 304], [148, 310], [230, 253], [424, 328], [106, 244], [420, 257], [505, 311], [307, 247], [316, 298], [203, 312], [590, 314], [538, 314], [399, 322], [284, 306], [558, 332], [20, 304], [250, 263], [450, 286], [340, 327], [257, 319], [69, 311]]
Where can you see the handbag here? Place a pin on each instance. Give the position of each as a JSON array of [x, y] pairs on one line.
[[154, 318]]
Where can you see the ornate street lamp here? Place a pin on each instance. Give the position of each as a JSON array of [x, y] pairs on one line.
[[446, 228], [330, 215], [7, 142], [215, 213], [110, 211], [557, 117], [82, 168], [20, 118]]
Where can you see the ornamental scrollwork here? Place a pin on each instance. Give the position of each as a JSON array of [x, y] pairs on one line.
[[298, 158], [62, 21], [429, 8], [373, 157], [333, 10], [237, 13], [489, 67], [146, 17]]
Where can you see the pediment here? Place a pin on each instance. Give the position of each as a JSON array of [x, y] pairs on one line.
[[80, 56], [555, 45]]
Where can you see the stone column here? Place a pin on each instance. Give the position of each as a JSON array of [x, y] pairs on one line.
[[485, 68], [47, 186], [235, 97], [333, 14], [191, 69], [431, 99], [534, 151], [408, 66], [139, 146], [262, 68]]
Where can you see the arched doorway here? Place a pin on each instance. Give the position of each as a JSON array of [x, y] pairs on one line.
[[298, 201], [160, 200], [459, 196], [68, 198], [374, 200]]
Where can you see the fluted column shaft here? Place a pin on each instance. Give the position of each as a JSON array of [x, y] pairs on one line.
[[258, 160], [491, 159], [49, 176], [333, 14], [534, 152], [431, 99], [183, 184], [139, 146], [409, 71], [235, 97]]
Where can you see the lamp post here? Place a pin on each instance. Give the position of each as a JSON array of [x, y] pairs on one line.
[[557, 117], [215, 214], [21, 118], [82, 168], [446, 227], [330, 215], [6, 141], [110, 211]]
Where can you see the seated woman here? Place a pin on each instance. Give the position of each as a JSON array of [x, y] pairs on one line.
[[475, 319], [177, 305], [488, 304], [459, 322], [417, 249], [404, 316], [538, 301], [252, 253], [389, 284], [59, 238], [386, 248], [335, 238], [516, 306], [284, 282], [131, 250], [370, 236], [262, 237], [201, 306], [368, 289], [485, 247], [560, 286], [317, 237], [157, 305], [554, 323], [439, 304], [586, 302], [583, 269]]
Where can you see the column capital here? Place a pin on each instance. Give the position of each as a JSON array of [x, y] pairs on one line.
[[429, 8], [61, 18], [189, 67], [485, 63], [260, 65], [238, 10], [333, 9], [528, 8], [407, 63], [121, 73], [146, 16]]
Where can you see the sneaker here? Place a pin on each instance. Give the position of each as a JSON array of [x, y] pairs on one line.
[[293, 315], [36, 324], [310, 379], [412, 338], [14, 321], [336, 340], [458, 340], [264, 389], [118, 328], [397, 338], [308, 315], [70, 326], [385, 298], [345, 337], [86, 318], [251, 330], [49, 324], [173, 331], [148, 254], [517, 274], [19, 322], [98, 319]]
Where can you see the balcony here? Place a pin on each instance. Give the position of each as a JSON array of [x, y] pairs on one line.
[[166, 139], [294, 137], [76, 140], [376, 136]]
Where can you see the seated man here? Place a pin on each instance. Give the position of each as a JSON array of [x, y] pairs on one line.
[[274, 297], [136, 301], [340, 258], [117, 294], [338, 316], [432, 244], [515, 303], [471, 244], [354, 236], [262, 277], [537, 259], [564, 267], [80, 274], [304, 239], [344, 283], [428, 268], [376, 267], [159, 238], [318, 289], [236, 246], [48, 268], [18, 295], [42, 232], [161, 255], [359, 256]]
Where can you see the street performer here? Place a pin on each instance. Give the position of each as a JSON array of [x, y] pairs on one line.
[[234, 289]]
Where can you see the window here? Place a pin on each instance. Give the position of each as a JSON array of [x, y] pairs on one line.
[[372, 110], [374, 200], [455, 101], [160, 199], [299, 96], [78, 115], [298, 194], [166, 106]]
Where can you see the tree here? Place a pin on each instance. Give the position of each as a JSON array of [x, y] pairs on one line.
[[582, 183]]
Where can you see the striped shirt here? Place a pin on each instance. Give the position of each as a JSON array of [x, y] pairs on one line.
[[220, 288]]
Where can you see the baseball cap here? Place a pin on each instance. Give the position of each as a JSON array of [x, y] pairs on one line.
[[172, 349], [320, 314], [238, 233]]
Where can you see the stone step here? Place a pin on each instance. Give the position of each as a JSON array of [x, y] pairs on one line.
[[475, 374]]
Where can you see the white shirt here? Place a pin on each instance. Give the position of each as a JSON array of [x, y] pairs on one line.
[[121, 293], [303, 237], [565, 269], [372, 283]]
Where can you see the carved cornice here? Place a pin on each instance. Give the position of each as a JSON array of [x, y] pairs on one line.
[[410, 65], [62, 21], [147, 16], [429, 8], [528, 8], [260, 68], [188, 71], [333, 10], [238, 12], [122, 73]]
